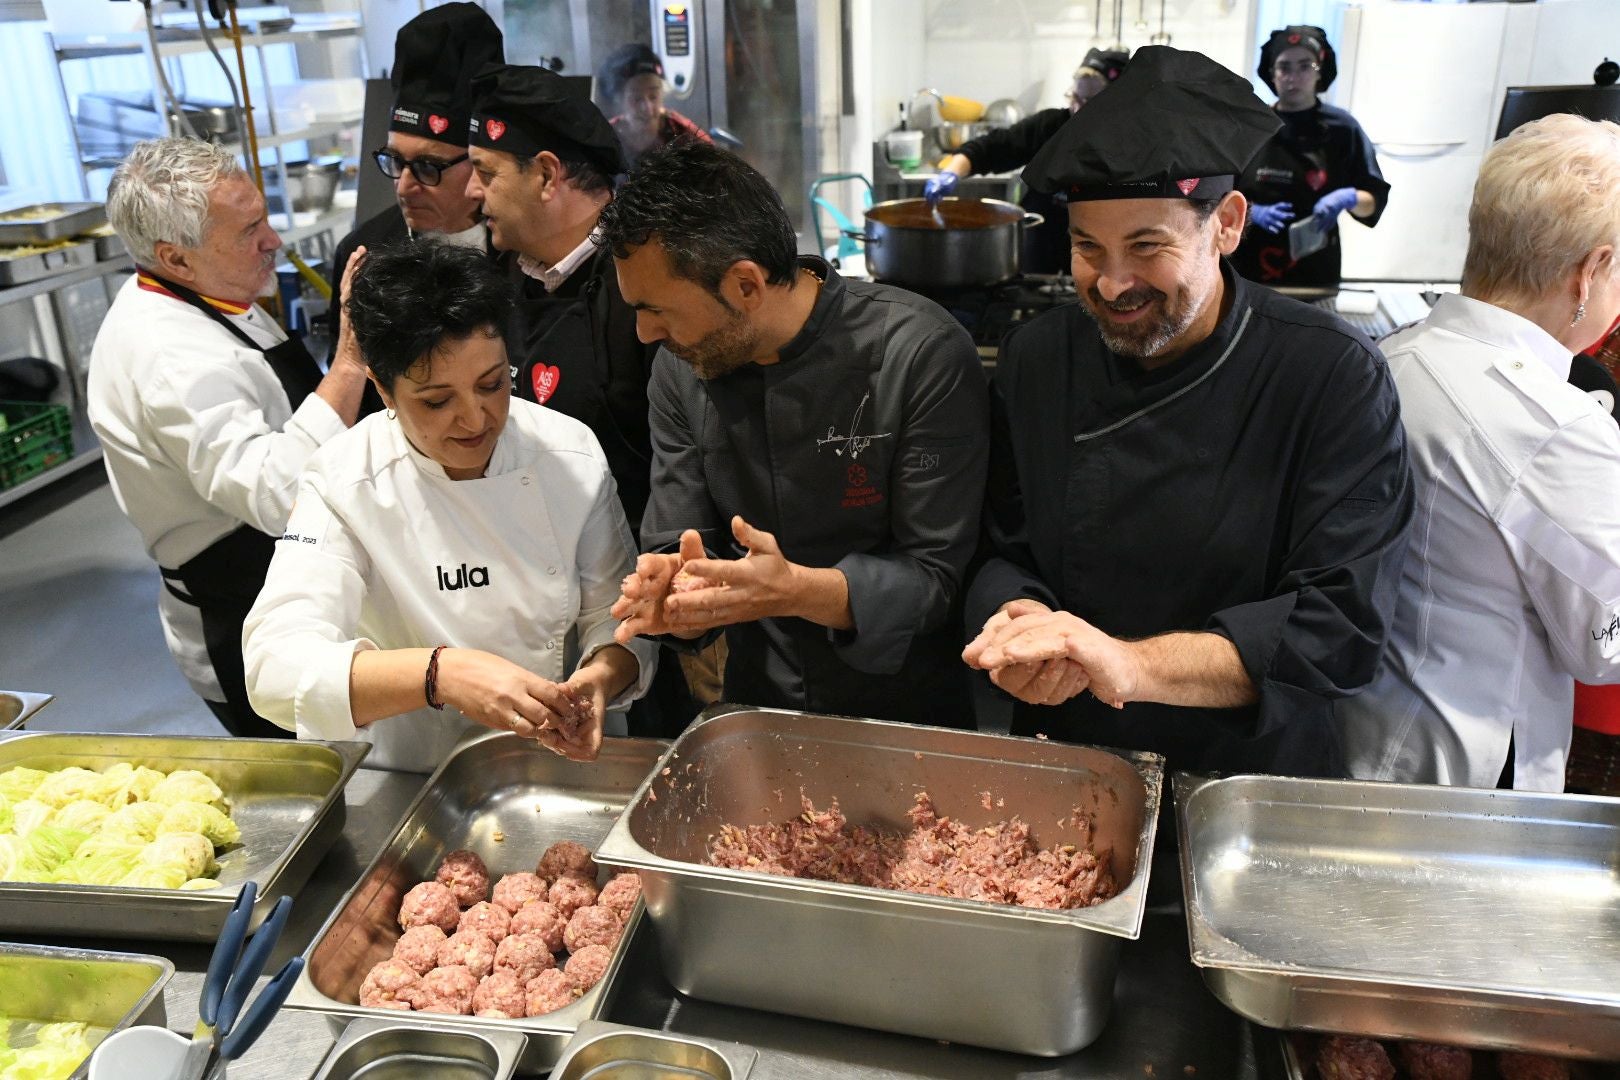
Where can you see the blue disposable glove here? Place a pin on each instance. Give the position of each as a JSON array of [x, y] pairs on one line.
[[1272, 216], [1329, 206], [940, 186]]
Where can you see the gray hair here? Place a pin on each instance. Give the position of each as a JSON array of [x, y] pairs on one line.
[[160, 193]]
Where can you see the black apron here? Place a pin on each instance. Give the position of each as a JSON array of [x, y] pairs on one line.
[[223, 580]]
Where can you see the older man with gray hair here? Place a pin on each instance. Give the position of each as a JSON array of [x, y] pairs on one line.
[[206, 410]]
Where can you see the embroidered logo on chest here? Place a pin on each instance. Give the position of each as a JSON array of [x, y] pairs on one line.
[[859, 490], [1316, 179], [462, 577], [545, 378]]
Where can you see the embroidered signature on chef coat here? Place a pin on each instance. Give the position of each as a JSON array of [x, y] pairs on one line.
[[852, 444], [1608, 633]]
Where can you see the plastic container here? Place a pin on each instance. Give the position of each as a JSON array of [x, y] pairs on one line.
[[33, 437], [903, 148]]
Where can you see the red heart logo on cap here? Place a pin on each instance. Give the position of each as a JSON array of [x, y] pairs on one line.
[[494, 129], [438, 124], [545, 379], [1293, 39], [1186, 186], [1317, 179]]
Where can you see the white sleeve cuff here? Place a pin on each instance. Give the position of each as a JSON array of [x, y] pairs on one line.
[[321, 706]]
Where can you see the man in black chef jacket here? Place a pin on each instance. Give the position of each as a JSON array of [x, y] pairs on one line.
[[1199, 489], [818, 453]]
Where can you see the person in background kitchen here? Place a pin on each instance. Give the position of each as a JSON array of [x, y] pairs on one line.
[[544, 159], [1512, 585], [1046, 248], [1199, 492], [818, 453], [436, 55], [206, 411], [460, 551], [1320, 165], [631, 81]]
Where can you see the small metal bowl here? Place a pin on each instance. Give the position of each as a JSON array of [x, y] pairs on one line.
[[600, 1051], [383, 1049], [314, 184], [952, 137]]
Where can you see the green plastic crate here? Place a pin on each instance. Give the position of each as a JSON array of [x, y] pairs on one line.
[[33, 437]]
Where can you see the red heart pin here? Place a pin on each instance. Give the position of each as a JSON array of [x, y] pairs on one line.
[[1317, 179], [438, 125], [494, 129], [545, 379], [1186, 186]]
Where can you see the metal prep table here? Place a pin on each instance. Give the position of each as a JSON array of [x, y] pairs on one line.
[[1165, 1024]]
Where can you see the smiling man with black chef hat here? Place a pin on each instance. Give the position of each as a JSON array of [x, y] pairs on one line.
[[1199, 490]]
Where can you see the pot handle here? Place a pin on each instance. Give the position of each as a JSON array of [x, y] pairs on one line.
[[856, 234], [1032, 219]]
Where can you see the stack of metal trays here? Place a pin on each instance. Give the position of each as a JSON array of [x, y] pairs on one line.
[[39, 241], [108, 991], [1451, 915], [286, 797], [507, 799], [1029, 980], [373, 1049]]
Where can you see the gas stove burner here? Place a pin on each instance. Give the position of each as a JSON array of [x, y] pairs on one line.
[[990, 312]]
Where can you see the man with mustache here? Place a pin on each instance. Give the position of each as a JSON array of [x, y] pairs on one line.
[[1199, 490]]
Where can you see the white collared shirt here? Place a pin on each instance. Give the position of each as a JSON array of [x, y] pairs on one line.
[[1511, 589], [383, 551], [553, 276]]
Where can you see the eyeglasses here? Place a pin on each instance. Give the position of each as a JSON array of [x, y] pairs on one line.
[[427, 171], [1301, 68]]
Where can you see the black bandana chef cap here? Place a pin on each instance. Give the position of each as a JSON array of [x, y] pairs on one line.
[[1175, 125], [436, 55], [624, 64], [1109, 63], [524, 110], [1313, 38]]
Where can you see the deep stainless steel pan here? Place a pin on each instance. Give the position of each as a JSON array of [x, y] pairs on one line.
[[967, 242], [108, 991]]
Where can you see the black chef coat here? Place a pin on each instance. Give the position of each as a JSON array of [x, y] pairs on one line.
[[384, 230], [1258, 488], [864, 449], [1043, 249], [1318, 150]]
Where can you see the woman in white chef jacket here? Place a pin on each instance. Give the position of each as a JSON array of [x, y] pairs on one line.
[[450, 562]]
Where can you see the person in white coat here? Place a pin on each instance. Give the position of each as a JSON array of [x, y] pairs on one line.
[[450, 562], [206, 410], [1511, 588]]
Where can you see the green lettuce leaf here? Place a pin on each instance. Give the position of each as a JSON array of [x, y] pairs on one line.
[[19, 783], [68, 785], [28, 815], [193, 817], [84, 815], [191, 853], [137, 821], [187, 785]]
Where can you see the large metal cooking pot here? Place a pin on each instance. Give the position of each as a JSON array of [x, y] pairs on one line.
[[967, 242]]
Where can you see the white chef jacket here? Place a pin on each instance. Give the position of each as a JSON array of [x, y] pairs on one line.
[[198, 439], [384, 551], [1511, 589]]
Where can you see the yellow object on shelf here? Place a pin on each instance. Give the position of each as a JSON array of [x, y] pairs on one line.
[[960, 110]]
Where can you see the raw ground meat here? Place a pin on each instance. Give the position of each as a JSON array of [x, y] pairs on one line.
[[1531, 1067], [487, 919], [569, 894], [549, 991], [541, 917], [500, 995], [587, 966], [1350, 1057], [577, 712], [1431, 1061], [524, 955], [418, 948], [447, 990], [594, 925], [939, 856], [469, 949], [515, 890], [466, 876], [685, 581], [390, 985], [430, 904], [620, 894], [566, 858]]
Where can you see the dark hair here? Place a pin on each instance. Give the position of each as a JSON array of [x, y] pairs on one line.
[[624, 64], [709, 209], [1204, 208], [409, 299], [579, 168]]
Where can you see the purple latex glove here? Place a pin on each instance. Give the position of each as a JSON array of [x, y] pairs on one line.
[[1272, 216], [940, 186], [1329, 206]]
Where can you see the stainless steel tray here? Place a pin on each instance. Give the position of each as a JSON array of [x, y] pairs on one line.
[[286, 796], [16, 707], [1295, 1053], [377, 1048], [25, 268], [107, 990], [1011, 978], [57, 221], [601, 1051], [495, 784], [1452, 915]]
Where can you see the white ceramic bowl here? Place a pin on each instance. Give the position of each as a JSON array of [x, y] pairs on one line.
[[139, 1053]]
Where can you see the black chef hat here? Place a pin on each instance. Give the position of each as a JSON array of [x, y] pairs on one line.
[[624, 64], [436, 55], [1109, 63], [524, 110], [1175, 125], [1313, 38]]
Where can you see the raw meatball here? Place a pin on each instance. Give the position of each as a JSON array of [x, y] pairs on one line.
[[1531, 1067], [569, 894], [620, 894], [592, 926], [525, 955], [515, 890], [465, 875], [587, 966], [430, 904], [447, 990], [500, 995], [487, 919], [418, 948], [1349, 1057], [685, 581], [469, 949], [549, 991], [541, 917], [567, 859], [390, 985], [1430, 1061]]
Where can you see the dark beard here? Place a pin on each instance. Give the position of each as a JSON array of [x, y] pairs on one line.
[[722, 351], [1143, 339]]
